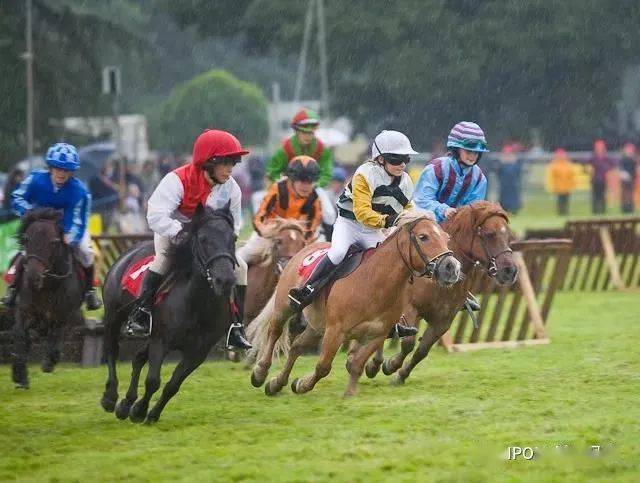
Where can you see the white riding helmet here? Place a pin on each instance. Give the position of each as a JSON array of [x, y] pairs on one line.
[[391, 142]]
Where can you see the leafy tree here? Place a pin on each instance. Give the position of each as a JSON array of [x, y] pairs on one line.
[[215, 99]]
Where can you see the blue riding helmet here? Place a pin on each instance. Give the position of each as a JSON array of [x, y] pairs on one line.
[[63, 156], [467, 135]]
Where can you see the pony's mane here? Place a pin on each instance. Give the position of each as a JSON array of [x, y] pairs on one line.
[[181, 255], [269, 234], [469, 217], [40, 214], [412, 215]]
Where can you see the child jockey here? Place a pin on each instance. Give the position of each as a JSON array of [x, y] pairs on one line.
[[456, 179], [303, 142], [378, 192], [293, 198], [205, 180], [58, 188]]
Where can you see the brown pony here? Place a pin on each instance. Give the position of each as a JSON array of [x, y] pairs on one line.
[[479, 236], [363, 306]]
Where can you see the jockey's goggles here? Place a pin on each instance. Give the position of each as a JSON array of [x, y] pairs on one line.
[[396, 159], [473, 145], [227, 160]]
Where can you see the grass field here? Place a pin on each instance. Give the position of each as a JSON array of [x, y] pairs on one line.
[[453, 420]]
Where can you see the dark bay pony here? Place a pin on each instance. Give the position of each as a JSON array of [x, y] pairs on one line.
[[50, 294], [194, 315], [363, 306], [480, 236]]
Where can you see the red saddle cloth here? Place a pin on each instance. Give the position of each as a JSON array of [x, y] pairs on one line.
[[132, 279]]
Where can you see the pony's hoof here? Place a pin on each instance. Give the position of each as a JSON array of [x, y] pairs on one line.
[[151, 419], [234, 356], [372, 369], [397, 380], [256, 380], [272, 387], [21, 385], [387, 368], [123, 408], [108, 404], [294, 386], [138, 412], [48, 366]]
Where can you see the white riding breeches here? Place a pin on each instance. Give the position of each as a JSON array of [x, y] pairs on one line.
[[254, 249], [348, 232], [83, 251], [161, 262]]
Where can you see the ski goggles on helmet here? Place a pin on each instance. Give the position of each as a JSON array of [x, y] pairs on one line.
[[396, 159], [473, 145]]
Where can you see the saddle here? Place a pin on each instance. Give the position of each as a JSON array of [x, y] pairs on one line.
[[355, 257]]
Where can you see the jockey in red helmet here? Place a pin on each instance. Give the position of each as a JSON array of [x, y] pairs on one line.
[[206, 180]]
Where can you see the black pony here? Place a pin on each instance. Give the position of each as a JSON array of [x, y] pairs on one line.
[[194, 315], [50, 293]]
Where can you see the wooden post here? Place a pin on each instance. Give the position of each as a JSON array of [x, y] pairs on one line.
[[529, 296], [610, 256]]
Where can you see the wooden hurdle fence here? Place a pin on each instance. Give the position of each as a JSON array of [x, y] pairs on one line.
[[518, 315], [110, 247], [605, 253]]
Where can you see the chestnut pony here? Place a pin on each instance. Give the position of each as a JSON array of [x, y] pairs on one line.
[[363, 306], [479, 236]]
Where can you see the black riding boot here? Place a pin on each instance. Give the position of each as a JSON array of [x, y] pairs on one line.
[[236, 336], [9, 299], [140, 321], [472, 302], [300, 297], [91, 300], [402, 330]]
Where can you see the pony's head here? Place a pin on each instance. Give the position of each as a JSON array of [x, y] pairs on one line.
[[208, 250], [287, 239], [481, 231], [427, 251], [41, 239]]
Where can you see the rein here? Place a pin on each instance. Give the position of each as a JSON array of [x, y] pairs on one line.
[[205, 263], [47, 272], [430, 265], [491, 267]]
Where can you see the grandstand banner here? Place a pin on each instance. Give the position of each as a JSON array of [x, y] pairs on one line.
[[8, 243]]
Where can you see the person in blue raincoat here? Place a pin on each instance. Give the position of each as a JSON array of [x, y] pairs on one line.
[[58, 188], [455, 179]]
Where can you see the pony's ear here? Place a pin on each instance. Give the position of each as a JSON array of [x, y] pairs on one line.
[[199, 210], [227, 206], [60, 214]]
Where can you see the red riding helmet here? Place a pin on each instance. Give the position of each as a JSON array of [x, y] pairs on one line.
[[213, 143]]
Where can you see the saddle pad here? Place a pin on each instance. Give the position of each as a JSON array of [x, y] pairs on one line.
[[10, 274]]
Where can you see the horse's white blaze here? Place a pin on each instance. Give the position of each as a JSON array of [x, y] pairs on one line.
[[503, 229]]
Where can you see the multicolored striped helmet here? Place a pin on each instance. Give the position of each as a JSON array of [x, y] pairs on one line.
[[467, 135], [63, 156], [305, 120]]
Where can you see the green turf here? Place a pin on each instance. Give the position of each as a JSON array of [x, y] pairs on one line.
[[453, 420]]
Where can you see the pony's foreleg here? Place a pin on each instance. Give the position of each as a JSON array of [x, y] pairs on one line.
[[307, 339], [431, 335], [138, 362], [357, 362], [331, 342], [152, 383], [52, 355], [186, 366], [111, 352], [21, 345], [373, 366], [261, 369], [394, 363]]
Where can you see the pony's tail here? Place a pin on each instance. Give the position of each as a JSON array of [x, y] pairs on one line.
[[258, 332]]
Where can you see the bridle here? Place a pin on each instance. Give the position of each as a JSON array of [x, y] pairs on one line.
[[280, 263], [48, 269], [490, 265], [205, 263], [430, 264]]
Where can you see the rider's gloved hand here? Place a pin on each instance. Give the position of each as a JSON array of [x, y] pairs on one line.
[[391, 219]]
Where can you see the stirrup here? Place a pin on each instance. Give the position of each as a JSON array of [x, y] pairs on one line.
[[130, 332], [299, 297], [243, 342]]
